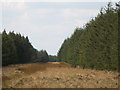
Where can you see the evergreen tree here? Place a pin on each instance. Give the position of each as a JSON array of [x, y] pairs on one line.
[[9, 55], [16, 49], [42, 56], [95, 45]]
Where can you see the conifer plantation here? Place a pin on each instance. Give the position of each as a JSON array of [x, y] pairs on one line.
[[96, 44], [17, 49], [87, 59]]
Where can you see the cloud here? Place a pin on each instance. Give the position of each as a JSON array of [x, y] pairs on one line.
[[46, 27], [80, 23], [40, 13], [14, 6], [0, 15], [75, 13], [59, 0]]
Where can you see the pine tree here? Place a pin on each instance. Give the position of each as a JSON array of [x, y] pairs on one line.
[[95, 45]]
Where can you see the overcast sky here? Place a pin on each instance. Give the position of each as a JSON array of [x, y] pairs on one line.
[[47, 24]]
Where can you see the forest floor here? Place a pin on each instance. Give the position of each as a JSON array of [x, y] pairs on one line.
[[56, 75]]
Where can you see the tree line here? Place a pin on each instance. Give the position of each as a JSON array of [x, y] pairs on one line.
[[17, 49], [96, 44]]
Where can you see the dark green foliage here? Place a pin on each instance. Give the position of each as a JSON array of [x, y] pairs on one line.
[[25, 50], [17, 49], [95, 45], [9, 55], [42, 56], [118, 8]]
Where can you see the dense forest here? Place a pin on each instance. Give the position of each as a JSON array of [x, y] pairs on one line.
[[96, 44], [17, 49]]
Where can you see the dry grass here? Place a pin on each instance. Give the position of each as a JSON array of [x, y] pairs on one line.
[[56, 75]]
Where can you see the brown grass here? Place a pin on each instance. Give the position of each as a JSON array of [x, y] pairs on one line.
[[57, 75]]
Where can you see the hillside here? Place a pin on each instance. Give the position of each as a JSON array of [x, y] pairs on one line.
[[56, 75]]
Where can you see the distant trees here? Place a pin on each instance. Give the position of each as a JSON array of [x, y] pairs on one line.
[[17, 49], [95, 45], [53, 58], [42, 56]]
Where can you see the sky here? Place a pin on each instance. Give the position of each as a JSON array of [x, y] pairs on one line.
[[47, 24]]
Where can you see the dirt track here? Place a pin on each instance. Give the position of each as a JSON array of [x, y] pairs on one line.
[[56, 75]]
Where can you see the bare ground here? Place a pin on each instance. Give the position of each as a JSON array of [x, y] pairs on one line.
[[56, 75]]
